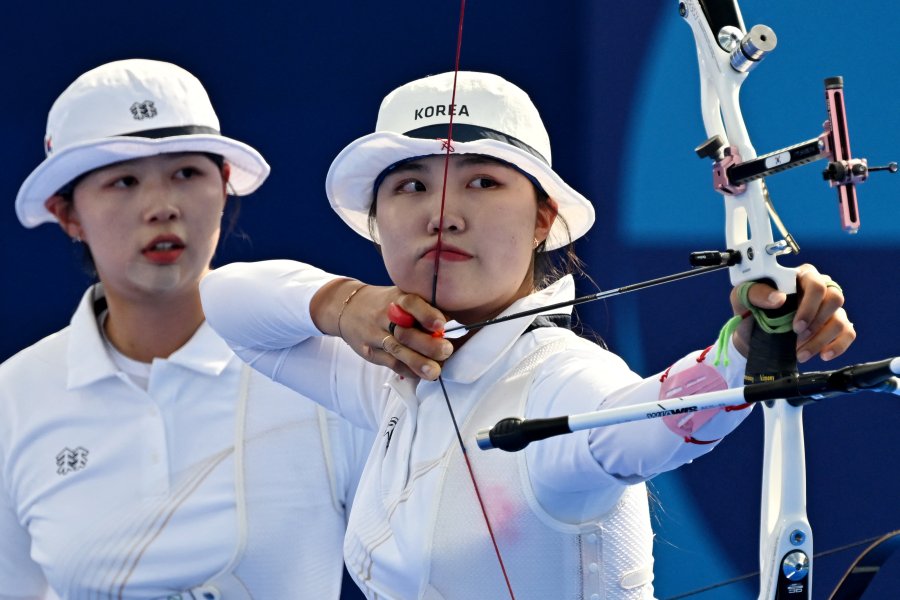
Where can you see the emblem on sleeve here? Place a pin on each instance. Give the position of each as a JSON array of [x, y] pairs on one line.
[[71, 460]]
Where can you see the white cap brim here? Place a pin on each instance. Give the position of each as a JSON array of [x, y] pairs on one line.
[[351, 178], [248, 168]]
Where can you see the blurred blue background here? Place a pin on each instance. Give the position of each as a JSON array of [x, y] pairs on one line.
[[617, 86]]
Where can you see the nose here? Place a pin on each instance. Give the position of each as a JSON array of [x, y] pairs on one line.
[[450, 221], [161, 206]]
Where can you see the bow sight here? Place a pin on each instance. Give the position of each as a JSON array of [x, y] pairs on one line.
[[731, 174]]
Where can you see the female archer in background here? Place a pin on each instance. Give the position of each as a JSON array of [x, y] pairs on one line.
[[139, 457], [569, 515]]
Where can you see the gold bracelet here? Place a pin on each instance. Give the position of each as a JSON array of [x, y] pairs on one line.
[[344, 305]]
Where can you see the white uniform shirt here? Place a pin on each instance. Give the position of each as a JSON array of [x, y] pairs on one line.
[[573, 483], [111, 491]]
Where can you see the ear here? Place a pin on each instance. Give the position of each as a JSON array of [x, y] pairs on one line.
[[546, 216], [226, 176], [64, 211]]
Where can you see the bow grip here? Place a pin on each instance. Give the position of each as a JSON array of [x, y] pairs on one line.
[[773, 355]]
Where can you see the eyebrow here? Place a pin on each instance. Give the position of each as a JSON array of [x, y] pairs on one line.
[[479, 159], [411, 166], [463, 159]]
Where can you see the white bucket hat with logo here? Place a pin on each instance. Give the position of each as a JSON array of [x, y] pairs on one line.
[[491, 116], [125, 110]]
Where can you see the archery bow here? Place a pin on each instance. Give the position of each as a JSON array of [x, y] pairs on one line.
[[726, 53]]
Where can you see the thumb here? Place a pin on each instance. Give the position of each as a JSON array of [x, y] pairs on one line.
[[763, 295]]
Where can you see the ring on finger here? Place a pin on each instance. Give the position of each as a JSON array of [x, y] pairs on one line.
[[386, 338], [391, 327]]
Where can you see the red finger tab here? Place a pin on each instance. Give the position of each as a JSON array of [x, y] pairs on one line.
[[399, 316]]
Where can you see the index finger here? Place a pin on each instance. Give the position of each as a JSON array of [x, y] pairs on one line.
[[409, 309], [811, 290]]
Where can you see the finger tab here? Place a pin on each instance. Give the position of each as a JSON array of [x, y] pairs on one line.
[[399, 316]]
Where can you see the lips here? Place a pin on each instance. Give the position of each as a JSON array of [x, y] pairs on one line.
[[164, 249], [447, 253]]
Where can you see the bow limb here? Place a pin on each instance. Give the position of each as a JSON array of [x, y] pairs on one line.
[[786, 548], [748, 228]]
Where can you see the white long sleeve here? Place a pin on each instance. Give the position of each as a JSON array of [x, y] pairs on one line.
[[262, 311], [262, 305]]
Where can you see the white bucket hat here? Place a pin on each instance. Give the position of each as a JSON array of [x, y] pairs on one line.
[[491, 117], [125, 110]]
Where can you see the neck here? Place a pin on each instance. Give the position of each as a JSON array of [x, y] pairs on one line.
[[151, 328], [479, 315]]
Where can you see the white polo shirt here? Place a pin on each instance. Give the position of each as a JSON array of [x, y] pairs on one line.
[[570, 513], [214, 482]]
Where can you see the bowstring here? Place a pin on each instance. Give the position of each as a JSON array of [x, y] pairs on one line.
[[448, 147]]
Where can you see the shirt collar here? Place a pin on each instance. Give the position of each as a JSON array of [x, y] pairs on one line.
[[88, 360], [488, 346], [205, 352]]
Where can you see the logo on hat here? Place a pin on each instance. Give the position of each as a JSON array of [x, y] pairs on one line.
[[48, 145], [143, 110], [71, 460], [441, 110]]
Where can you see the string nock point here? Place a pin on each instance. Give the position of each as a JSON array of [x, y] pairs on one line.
[[451, 330]]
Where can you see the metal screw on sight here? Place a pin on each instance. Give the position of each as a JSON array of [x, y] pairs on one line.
[[777, 249]]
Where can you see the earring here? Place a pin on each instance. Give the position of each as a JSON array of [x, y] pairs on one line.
[[76, 239], [535, 243]]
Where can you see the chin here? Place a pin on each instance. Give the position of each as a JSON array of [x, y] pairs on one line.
[[164, 281], [462, 308]]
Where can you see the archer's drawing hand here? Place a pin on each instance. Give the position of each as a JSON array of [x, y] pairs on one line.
[[364, 324]]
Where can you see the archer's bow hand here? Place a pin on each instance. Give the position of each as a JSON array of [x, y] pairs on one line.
[[821, 323], [358, 313]]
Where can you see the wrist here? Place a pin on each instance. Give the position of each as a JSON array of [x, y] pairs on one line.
[[329, 304]]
